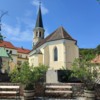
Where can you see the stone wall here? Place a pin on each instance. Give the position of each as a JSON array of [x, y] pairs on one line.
[[51, 76], [78, 89]]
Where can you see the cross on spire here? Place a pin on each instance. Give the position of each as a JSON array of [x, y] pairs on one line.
[[40, 3]]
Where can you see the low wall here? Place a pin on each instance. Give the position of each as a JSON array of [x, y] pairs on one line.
[[13, 84], [78, 89]]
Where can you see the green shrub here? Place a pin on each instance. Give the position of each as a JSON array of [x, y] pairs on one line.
[[27, 75]]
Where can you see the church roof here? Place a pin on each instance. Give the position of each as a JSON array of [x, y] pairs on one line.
[[7, 44], [58, 34], [39, 22]]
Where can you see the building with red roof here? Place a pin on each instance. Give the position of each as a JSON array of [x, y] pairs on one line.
[[18, 54]]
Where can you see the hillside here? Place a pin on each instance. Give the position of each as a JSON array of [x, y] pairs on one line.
[[89, 54]]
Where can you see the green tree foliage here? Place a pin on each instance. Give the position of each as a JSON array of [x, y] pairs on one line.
[[89, 54], [97, 49], [86, 71], [98, 1], [28, 75]]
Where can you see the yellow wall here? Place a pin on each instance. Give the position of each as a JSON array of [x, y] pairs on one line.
[[56, 64], [40, 59], [71, 53], [46, 56]]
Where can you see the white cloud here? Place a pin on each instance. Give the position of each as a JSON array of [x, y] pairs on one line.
[[16, 34], [36, 4], [22, 31]]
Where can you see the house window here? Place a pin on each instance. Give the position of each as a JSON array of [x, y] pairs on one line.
[[7, 51], [19, 62], [10, 52], [55, 54], [19, 55]]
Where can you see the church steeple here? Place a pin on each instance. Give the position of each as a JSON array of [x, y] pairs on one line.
[[39, 22], [38, 30]]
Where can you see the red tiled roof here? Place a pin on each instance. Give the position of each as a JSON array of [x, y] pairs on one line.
[[22, 50], [96, 59], [7, 44], [58, 34]]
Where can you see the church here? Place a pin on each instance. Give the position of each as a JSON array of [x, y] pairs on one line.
[[57, 50]]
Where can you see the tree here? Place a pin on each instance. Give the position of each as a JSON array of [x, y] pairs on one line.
[[2, 13], [87, 54], [97, 49], [86, 71], [28, 75]]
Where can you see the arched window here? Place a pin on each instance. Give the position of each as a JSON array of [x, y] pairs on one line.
[[40, 34], [55, 54]]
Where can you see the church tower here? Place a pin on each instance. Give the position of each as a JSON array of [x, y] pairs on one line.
[[38, 30]]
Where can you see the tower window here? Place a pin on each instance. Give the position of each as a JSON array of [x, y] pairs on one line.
[[55, 54], [40, 34]]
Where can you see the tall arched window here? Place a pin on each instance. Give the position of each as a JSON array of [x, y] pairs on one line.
[[40, 34], [55, 54]]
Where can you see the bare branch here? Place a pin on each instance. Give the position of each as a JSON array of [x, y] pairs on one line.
[[2, 14]]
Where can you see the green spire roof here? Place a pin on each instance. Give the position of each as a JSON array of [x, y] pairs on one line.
[[39, 22], [3, 52]]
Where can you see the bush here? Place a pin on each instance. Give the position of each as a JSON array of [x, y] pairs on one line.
[[28, 75], [86, 71]]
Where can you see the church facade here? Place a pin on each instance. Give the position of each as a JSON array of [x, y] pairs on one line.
[[57, 50]]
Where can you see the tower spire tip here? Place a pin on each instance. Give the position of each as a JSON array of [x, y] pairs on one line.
[[40, 3]]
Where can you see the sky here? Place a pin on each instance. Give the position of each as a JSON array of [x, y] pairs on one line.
[[80, 18]]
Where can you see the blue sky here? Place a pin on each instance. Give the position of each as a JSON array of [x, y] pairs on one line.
[[80, 18]]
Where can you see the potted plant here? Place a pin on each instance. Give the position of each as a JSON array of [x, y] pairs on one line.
[[87, 73], [27, 76]]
